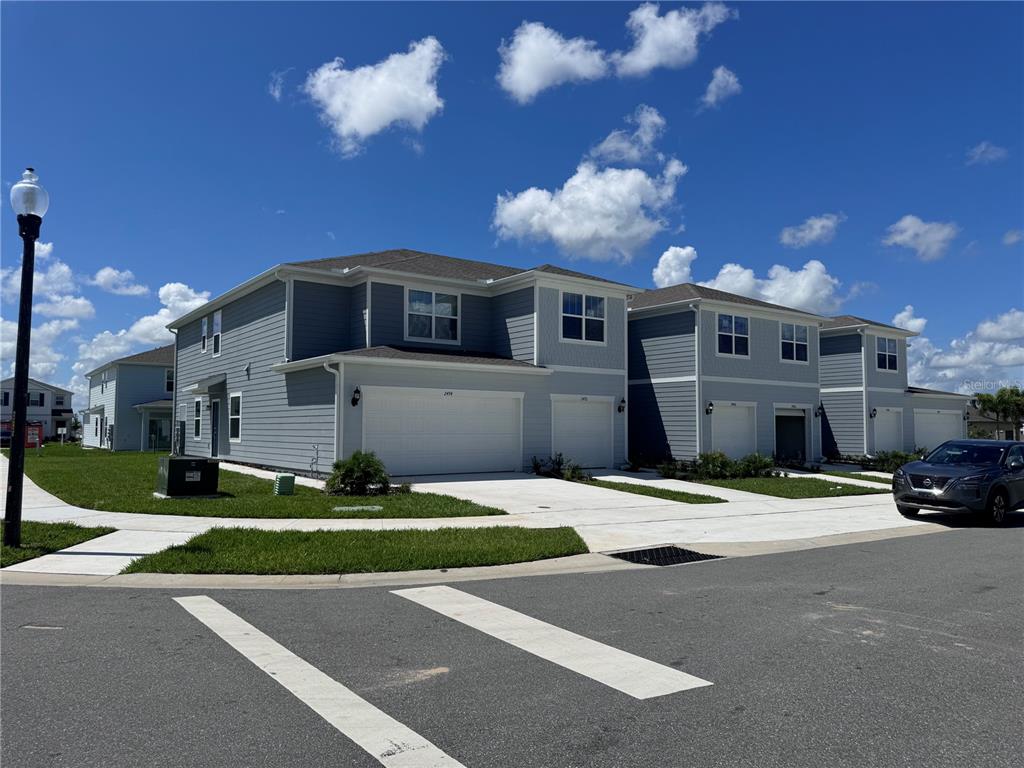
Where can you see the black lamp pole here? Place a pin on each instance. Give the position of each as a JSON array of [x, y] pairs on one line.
[[28, 228]]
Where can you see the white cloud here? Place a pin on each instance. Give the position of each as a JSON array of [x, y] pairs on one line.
[[1013, 236], [538, 58], [359, 103], [674, 266], [1008, 326], [276, 85], [601, 214], [43, 251], [45, 356], [119, 282], [810, 288], [815, 229], [55, 279], [666, 41], [66, 306], [621, 146], [906, 319], [724, 84], [985, 153], [929, 239]]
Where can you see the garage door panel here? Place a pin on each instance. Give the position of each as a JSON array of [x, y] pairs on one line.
[[582, 431], [888, 426], [931, 429], [732, 430]]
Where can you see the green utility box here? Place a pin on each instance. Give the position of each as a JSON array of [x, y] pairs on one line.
[[284, 485]]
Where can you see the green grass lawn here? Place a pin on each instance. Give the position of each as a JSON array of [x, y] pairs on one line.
[[124, 482], [857, 476], [793, 487], [251, 551], [39, 539], [657, 492]]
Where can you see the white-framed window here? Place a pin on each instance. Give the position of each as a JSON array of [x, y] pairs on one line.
[[216, 333], [37, 399], [58, 401], [794, 342], [202, 340], [197, 418], [431, 316], [7, 398], [235, 417], [95, 426], [733, 335], [583, 318], [886, 354], [168, 379]]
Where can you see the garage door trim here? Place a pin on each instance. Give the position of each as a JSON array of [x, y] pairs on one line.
[[899, 423], [805, 409], [376, 389], [609, 399], [730, 403]]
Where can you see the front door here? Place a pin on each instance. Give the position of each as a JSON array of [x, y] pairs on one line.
[[789, 436], [214, 428]]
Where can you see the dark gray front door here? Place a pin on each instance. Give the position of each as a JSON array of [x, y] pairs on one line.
[[214, 428], [789, 437]]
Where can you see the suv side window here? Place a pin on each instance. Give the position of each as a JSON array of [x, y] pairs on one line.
[[1016, 454]]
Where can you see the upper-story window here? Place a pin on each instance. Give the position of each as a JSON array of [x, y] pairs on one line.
[[202, 341], [583, 317], [734, 335], [432, 315], [168, 379], [216, 333], [7, 398], [37, 399], [197, 418], [58, 401], [886, 354], [794, 342]]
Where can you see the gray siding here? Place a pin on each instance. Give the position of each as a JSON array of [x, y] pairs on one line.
[[387, 316], [283, 415], [553, 351], [662, 421], [512, 324], [843, 422], [100, 396], [357, 316], [662, 346], [765, 356], [887, 379], [841, 361], [320, 319], [135, 384]]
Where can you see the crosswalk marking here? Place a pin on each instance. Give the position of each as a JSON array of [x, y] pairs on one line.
[[638, 677], [391, 743]]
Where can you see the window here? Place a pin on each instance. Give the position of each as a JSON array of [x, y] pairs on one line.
[[886, 357], [168, 379], [95, 426], [235, 416], [216, 333], [734, 335], [583, 317], [202, 341], [58, 400], [197, 419], [37, 399], [7, 399], [431, 315], [794, 342]]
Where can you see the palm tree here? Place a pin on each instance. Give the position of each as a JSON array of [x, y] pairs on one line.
[[1007, 404]]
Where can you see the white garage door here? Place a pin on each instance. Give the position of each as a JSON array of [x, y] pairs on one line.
[[428, 431], [582, 430], [932, 428], [732, 430], [888, 429]]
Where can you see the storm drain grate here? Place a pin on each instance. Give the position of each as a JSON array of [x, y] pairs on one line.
[[663, 556]]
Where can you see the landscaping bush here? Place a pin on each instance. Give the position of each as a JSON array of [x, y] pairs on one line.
[[755, 465], [715, 465], [361, 474], [576, 473], [890, 461], [669, 469], [560, 468]]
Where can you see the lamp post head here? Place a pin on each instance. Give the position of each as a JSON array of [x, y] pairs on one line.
[[28, 198]]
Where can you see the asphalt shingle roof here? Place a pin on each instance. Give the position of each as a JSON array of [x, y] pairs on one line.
[[845, 321], [438, 356], [691, 291], [157, 356], [924, 391]]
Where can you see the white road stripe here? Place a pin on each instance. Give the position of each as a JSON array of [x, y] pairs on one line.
[[386, 739], [640, 678]]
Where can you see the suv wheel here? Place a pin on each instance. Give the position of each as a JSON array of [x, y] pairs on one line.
[[907, 511], [997, 507]]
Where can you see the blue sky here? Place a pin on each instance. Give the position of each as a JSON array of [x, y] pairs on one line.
[[166, 155]]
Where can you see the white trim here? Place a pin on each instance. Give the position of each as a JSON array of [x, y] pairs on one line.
[[239, 438], [664, 380], [583, 318], [827, 390], [317, 362], [696, 375], [581, 369], [423, 288], [733, 334], [204, 334], [536, 324], [572, 398], [218, 336], [886, 353], [864, 385], [568, 398], [732, 403], [763, 382], [192, 416], [367, 314], [794, 342], [938, 410]]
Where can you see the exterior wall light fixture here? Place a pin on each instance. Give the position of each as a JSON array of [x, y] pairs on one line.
[[622, 405], [710, 409], [357, 395], [874, 412]]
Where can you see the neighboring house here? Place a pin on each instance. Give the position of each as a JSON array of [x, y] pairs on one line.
[[47, 404], [867, 405], [437, 364], [987, 424], [130, 402], [713, 371]]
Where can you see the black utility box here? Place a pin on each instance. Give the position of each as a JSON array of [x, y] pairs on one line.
[[187, 476]]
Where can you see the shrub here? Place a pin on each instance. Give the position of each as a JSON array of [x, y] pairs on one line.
[[669, 469], [755, 465], [403, 488], [890, 461], [537, 465], [361, 474], [714, 465], [575, 472]]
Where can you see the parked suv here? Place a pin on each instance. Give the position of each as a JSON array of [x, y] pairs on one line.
[[981, 476]]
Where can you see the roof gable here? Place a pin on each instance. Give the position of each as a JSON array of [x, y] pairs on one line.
[[694, 292]]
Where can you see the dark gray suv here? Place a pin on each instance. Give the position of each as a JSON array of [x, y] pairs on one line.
[[981, 476]]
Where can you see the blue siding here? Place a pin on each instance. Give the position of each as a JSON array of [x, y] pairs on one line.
[[765, 361], [662, 346], [135, 384], [843, 423], [387, 315], [357, 316], [553, 351], [320, 319], [512, 324], [662, 421]]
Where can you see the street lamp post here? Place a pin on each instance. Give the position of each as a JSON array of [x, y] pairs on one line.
[[30, 202]]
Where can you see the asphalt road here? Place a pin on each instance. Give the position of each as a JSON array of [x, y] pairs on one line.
[[907, 652]]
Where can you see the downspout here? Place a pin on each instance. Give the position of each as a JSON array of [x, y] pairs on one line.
[[174, 394], [338, 412], [864, 383], [696, 373]]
